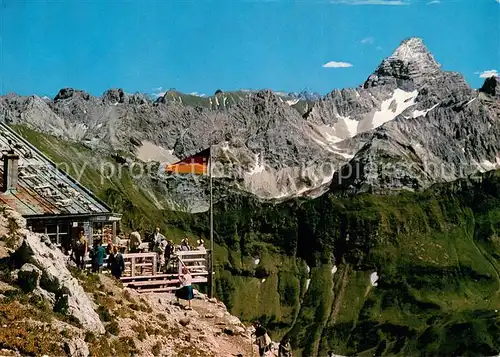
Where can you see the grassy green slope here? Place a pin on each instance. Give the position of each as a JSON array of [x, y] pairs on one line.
[[437, 255]]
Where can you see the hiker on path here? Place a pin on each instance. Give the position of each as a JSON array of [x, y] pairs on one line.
[[262, 339], [168, 253], [80, 250], [186, 291], [116, 263], [185, 245], [285, 350], [109, 247], [135, 241], [201, 244], [158, 239], [97, 254]]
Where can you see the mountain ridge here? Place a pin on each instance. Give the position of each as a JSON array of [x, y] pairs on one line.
[[389, 113]]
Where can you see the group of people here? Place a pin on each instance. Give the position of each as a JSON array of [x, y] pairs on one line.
[[164, 248], [159, 244], [97, 255], [263, 342]]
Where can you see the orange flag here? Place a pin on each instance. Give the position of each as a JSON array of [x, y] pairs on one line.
[[196, 164]]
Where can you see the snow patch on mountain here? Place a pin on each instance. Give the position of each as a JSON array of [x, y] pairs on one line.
[[351, 124], [392, 107], [422, 113], [259, 166], [470, 101], [152, 152], [488, 165]]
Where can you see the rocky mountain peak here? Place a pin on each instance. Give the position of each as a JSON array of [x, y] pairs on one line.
[[414, 50], [67, 93], [491, 86], [306, 94], [114, 96], [411, 63]]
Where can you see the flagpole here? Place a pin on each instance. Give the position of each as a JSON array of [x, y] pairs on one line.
[[211, 277]]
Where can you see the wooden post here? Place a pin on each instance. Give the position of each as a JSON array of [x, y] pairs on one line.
[[132, 266], [179, 265], [154, 264], [210, 277], [210, 273], [114, 233]]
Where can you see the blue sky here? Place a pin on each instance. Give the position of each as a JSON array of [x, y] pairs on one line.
[[201, 45]]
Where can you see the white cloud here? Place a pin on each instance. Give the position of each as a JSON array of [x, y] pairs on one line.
[[371, 2], [198, 94], [433, 2], [157, 92], [368, 41], [378, 48], [489, 73], [334, 64]]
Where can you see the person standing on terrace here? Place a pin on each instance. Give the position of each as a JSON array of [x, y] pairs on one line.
[[135, 241], [186, 291], [80, 249]]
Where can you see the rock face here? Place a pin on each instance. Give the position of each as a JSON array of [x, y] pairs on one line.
[[410, 125], [491, 86], [29, 277], [411, 62], [277, 145], [57, 279], [76, 348], [44, 271]]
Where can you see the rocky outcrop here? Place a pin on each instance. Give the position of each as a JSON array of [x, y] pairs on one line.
[[76, 347], [411, 62], [10, 238], [491, 86], [57, 279], [44, 271], [29, 277]]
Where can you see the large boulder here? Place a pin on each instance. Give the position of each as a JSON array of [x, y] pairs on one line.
[[76, 348], [57, 279], [10, 223], [29, 277]]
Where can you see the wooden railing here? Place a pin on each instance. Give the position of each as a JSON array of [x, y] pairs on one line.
[[144, 263], [195, 260], [141, 270], [197, 263], [135, 264]]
